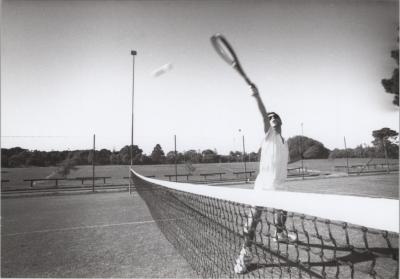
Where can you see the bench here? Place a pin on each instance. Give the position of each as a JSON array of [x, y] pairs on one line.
[[340, 167], [177, 175], [212, 174], [298, 169], [297, 172], [90, 178], [366, 166], [290, 169], [32, 181], [44, 179], [244, 172], [382, 165]]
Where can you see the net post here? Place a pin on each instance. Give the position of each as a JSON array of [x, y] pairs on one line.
[[130, 181]]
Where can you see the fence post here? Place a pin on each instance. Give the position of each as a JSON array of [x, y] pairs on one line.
[[176, 166], [347, 155], [386, 156], [93, 167], [244, 158]]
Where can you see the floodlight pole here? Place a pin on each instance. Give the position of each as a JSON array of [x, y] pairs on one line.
[[133, 53], [301, 152]]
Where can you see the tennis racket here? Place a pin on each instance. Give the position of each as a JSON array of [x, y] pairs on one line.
[[225, 50]]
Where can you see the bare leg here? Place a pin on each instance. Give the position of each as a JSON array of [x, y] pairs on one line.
[[281, 217], [250, 226], [249, 234], [281, 233]]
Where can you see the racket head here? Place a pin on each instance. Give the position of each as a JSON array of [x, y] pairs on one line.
[[224, 49]]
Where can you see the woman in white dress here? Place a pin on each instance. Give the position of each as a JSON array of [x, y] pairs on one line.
[[273, 171]]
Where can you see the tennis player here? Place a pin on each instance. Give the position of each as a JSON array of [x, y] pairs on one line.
[[272, 173]]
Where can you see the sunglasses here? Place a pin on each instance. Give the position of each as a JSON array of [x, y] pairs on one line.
[[273, 116]]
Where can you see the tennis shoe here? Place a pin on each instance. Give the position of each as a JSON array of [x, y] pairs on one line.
[[284, 237], [242, 261]]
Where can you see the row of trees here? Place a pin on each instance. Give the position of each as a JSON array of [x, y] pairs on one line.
[[18, 157], [385, 144], [391, 84]]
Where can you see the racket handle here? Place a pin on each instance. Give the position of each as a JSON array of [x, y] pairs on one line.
[[254, 89], [239, 69]]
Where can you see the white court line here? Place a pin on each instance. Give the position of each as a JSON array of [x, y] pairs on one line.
[[87, 227]]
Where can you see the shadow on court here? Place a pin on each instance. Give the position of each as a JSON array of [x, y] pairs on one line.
[[90, 235]]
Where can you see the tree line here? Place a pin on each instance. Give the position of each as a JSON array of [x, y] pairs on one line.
[[385, 143], [391, 85]]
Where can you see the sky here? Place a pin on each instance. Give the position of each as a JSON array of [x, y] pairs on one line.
[[67, 72]]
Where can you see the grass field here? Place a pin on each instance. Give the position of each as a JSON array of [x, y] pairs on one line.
[[118, 172]]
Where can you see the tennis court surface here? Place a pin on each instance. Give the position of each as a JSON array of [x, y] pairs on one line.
[[90, 235], [167, 233]]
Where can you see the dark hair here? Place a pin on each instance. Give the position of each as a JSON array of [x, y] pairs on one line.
[[273, 113]]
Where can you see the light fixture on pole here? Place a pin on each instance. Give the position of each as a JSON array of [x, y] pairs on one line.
[[133, 53]]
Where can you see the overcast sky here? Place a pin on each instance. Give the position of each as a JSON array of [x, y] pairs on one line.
[[67, 72]]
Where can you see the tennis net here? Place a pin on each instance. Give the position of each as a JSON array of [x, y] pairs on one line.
[[324, 236]]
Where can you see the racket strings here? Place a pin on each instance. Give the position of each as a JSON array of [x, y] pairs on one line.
[[225, 50]]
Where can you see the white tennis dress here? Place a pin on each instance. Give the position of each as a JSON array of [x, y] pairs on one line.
[[273, 162]]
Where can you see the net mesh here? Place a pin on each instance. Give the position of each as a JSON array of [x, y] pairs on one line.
[[216, 235]]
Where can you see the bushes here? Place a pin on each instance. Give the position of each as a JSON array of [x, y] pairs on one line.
[[385, 140], [306, 148]]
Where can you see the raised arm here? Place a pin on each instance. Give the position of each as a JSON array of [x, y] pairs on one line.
[[261, 107]]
